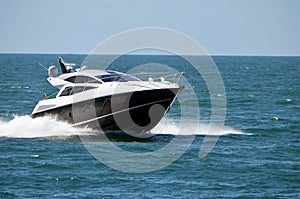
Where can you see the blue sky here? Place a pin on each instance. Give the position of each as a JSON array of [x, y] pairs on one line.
[[236, 27]]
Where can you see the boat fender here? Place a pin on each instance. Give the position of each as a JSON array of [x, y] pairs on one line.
[[46, 97]]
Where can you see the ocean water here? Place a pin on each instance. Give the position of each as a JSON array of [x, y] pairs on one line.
[[257, 154]]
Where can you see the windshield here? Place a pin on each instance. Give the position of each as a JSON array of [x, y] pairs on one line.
[[117, 78]]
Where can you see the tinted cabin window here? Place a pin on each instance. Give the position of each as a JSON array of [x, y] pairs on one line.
[[66, 92], [74, 90], [117, 78], [82, 79], [109, 78], [77, 89], [92, 80], [88, 88]]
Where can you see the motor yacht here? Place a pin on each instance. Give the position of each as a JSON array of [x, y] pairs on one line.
[[107, 99]]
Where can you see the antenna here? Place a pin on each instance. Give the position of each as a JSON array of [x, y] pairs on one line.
[[43, 66]]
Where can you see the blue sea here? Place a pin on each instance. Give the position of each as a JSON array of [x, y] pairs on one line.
[[256, 156]]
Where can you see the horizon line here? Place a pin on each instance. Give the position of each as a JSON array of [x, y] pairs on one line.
[[233, 55]]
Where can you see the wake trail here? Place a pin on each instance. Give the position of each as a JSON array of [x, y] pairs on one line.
[[192, 128], [27, 127]]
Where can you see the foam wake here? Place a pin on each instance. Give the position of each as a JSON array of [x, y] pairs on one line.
[[168, 126], [27, 127]]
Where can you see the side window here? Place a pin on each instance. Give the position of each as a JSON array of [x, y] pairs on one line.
[[92, 80], [82, 79], [77, 89], [71, 79], [88, 88], [67, 91], [77, 79], [73, 90]]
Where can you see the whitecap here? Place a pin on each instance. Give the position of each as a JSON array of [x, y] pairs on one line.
[[275, 118]]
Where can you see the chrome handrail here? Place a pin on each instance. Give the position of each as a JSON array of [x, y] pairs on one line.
[[174, 77]]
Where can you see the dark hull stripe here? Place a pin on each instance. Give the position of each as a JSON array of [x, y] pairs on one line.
[[117, 112], [126, 111]]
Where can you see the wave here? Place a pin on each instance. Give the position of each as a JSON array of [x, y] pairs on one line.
[[27, 127]]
